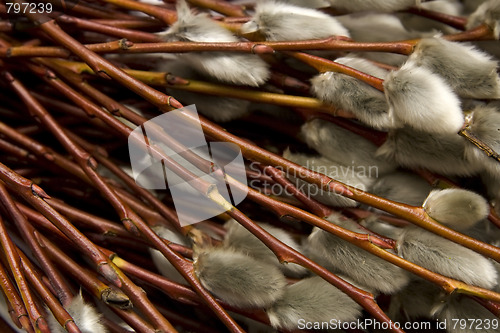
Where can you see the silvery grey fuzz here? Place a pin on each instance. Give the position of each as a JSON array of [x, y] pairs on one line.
[[309, 3], [338, 255], [372, 5], [242, 240], [415, 301], [440, 153], [446, 257], [313, 300], [402, 187], [420, 23], [457, 208], [471, 73], [377, 27], [423, 100], [281, 21], [485, 125], [244, 69], [347, 174], [237, 279], [463, 307], [344, 147], [218, 108], [162, 264]]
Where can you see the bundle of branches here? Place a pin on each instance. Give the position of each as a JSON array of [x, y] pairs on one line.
[[370, 137]]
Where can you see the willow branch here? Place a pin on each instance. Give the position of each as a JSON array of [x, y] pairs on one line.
[[451, 20], [62, 316], [133, 35], [163, 14], [14, 262], [17, 310], [222, 7], [61, 287]]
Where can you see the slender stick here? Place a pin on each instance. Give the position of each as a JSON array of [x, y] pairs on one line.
[[82, 157], [128, 217], [222, 7], [61, 287], [62, 316], [17, 310], [163, 79], [35, 196], [91, 10], [163, 14], [84, 277], [322, 65], [451, 20], [13, 260], [133, 35]]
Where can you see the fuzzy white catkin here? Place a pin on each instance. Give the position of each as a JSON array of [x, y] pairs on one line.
[[440, 153], [445, 257], [346, 174], [345, 92], [471, 73], [84, 315], [344, 147], [162, 264], [373, 5], [245, 69], [457, 208], [338, 255], [313, 300], [489, 13], [239, 280], [421, 99], [242, 240], [281, 21], [218, 108]]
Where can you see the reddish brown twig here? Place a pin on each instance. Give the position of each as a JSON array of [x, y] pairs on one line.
[[163, 14], [13, 260], [222, 7], [62, 316], [63, 292], [451, 20], [17, 310]]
